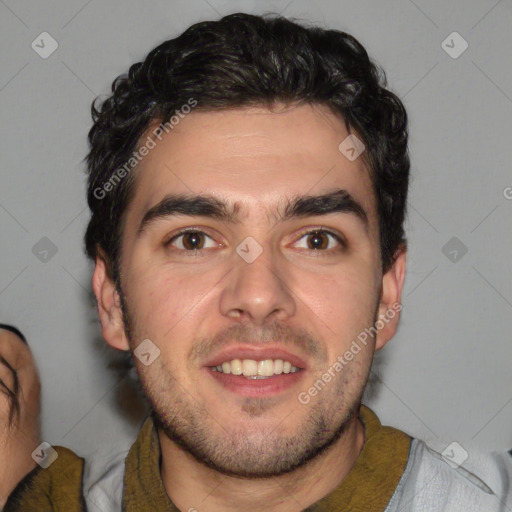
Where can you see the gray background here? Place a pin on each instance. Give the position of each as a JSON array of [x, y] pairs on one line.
[[446, 376]]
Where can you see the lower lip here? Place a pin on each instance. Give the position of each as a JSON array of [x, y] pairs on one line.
[[256, 387]]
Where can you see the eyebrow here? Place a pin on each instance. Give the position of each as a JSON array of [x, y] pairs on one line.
[[338, 201]]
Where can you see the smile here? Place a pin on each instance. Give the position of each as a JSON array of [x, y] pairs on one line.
[[254, 369]]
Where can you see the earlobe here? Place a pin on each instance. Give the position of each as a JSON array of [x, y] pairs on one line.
[[109, 307], [390, 301]]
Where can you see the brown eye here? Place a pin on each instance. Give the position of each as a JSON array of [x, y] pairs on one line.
[[317, 240], [189, 241], [193, 241], [320, 239]]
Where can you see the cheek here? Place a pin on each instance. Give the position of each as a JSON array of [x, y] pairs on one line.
[[163, 303], [343, 304], [343, 297], [168, 306], [160, 306], [356, 296]]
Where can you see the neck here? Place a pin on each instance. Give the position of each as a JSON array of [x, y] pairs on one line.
[[193, 486]]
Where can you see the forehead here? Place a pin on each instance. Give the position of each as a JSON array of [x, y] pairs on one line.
[[252, 158]]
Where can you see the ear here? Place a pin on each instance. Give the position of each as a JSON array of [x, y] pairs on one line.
[[390, 299], [109, 307]]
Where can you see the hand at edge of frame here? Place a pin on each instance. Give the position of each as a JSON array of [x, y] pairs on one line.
[[20, 408]]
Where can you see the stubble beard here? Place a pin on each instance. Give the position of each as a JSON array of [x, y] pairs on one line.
[[239, 452]]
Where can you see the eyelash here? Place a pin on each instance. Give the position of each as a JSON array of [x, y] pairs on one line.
[[195, 252]]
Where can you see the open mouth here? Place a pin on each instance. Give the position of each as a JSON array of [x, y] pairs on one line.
[[256, 378], [253, 369]]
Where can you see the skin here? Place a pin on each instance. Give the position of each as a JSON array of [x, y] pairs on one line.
[[217, 445], [19, 439]]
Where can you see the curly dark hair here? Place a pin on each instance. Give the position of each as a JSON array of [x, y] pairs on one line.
[[244, 60]]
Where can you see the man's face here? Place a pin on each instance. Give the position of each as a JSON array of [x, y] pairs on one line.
[[210, 299]]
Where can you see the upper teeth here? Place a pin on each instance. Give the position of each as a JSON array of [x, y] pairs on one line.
[[253, 368]]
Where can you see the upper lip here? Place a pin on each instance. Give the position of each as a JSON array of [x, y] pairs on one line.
[[258, 354]]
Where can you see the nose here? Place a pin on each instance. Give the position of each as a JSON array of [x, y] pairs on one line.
[[258, 291]]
